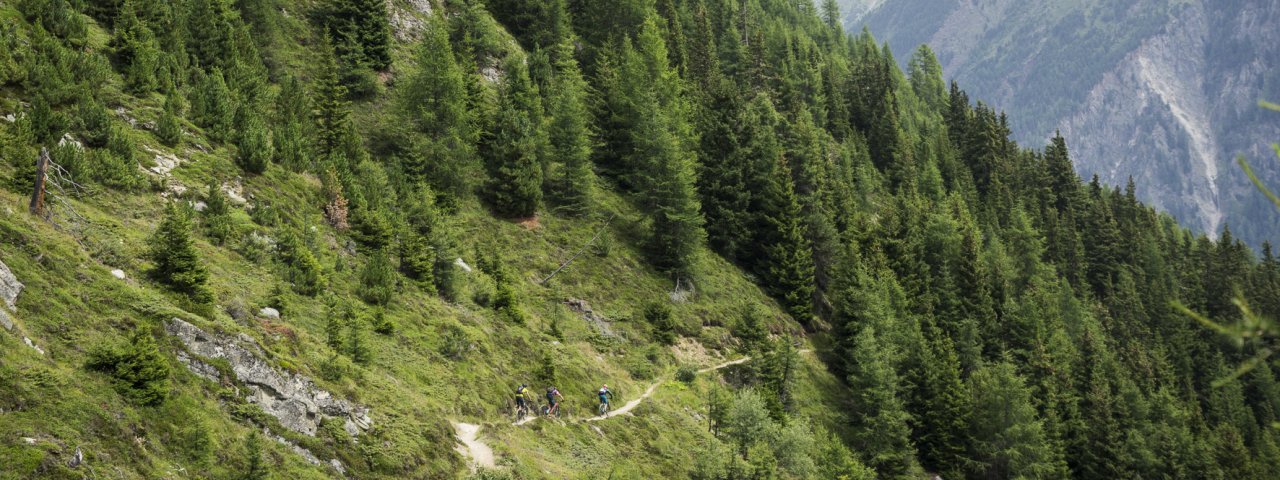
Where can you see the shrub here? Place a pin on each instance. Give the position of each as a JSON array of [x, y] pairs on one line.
[[141, 373], [381, 324], [658, 314], [168, 128], [687, 374], [94, 121], [378, 279]]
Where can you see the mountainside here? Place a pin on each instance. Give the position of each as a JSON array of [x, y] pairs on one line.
[[1165, 92], [708, 239]]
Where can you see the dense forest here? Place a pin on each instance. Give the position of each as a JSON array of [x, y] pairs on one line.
[[988, 314]]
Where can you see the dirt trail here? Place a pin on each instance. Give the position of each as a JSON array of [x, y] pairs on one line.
[[649, 392], [471, 446]]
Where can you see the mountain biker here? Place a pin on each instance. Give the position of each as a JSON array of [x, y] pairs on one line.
[[605, 395], [521, 403], [552, 395]]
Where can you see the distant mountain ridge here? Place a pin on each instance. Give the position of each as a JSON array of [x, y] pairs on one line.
[[1164, 91]]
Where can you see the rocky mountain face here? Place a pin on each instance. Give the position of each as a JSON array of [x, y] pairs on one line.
[[1163, 91]]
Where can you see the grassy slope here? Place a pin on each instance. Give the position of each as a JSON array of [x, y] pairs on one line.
[[72, 304]]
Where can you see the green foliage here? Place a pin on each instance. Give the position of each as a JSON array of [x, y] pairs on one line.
[[514, 148], [169, 127], [212, 106], [217, 214], [176, 261], [255, 464], [302, 269], [441, 135], [378, 279], [140, 371], [659, 316], [254, 146], [569, 131]]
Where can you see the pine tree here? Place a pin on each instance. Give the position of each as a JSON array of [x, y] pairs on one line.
[[788, 255], [1009, 440], [378, 279], [254, 147], [333, 114], [212, 106], [257, 466], [177, 263], [512, 149], [217, 214], [293, 127], [136, 49], [943, 421], [424, 228], [433, 103], [880, 421], [570, 133], [168, 128]]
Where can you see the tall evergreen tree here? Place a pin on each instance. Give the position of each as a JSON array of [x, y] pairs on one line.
[[570, 133], [881, 423], [433, 103], [177, 262], [513, 148]]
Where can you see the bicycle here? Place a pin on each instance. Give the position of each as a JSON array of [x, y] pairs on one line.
[[604, 409], [522, 411], [560, 411]]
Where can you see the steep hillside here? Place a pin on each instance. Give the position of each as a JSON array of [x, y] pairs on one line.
[[330, 239], [1162, 91]]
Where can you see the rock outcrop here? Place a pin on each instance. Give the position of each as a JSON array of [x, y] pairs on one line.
[[293, 399], [10, 287]]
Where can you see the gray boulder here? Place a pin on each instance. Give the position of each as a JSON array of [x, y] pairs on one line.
[[10, 287], [293, 399]]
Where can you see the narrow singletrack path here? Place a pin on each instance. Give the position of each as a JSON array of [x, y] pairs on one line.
[[471, 446], [649, 392]]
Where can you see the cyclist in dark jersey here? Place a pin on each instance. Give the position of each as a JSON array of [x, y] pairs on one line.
[[552, 403]]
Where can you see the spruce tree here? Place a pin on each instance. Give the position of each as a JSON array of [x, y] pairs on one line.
[[177, 263], [136, 49], [512, 149], [257, 466], [570, 133], [881, 423], [254, 146], [788, 258], [433, 103]]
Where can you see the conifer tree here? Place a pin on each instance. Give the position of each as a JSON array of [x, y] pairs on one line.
[[177, 263], [257, 467], [512, 149], [254, 146], [788, 258], [333, 114], [136, 49], [433, 102], [378, 279], [212, 106], [168, 128], [217, 214], [570, 133], [880, 420], [943, 419], [293, 127], [1009, 439]]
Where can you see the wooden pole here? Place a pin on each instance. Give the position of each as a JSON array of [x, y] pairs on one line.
[[37, 195]]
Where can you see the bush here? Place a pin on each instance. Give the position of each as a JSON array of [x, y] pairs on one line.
[[658, 314], [94, 121], [378, 279], [381, 324], [140, 371], [687, 374]]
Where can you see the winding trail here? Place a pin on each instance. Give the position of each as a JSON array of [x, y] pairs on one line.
[[482, 456], [471, 446]]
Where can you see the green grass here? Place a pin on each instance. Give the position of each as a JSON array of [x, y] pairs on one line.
[[445, 362]]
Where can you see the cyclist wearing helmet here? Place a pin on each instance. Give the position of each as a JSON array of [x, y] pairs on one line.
[[552, 402]]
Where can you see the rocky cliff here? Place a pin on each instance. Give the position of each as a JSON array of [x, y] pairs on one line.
[[1162, 91]]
